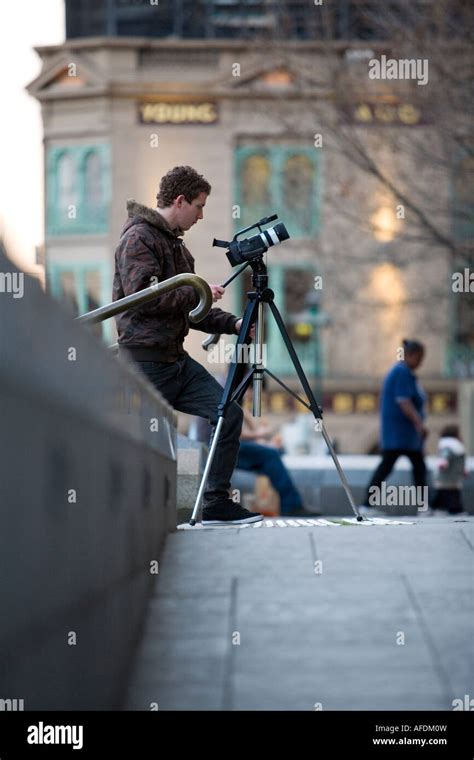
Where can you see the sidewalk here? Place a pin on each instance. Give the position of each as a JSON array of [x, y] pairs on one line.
[[332, 617]]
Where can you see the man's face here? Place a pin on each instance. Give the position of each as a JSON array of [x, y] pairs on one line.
[[190, 213], [414, 360]]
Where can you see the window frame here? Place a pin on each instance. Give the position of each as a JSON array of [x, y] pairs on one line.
[[56, 225], [79, 270], [278, 155]]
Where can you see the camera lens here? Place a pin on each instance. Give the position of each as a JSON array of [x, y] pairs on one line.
[[275, 235], [281, 232], [248, 249]]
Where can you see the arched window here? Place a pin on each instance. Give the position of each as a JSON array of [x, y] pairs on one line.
[[255, 179], [298, 190], [93, 187], [67, 191], [78, 189]]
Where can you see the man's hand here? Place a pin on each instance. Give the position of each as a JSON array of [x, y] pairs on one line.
[[409, 410], [238, 325], [217, 292], [422, 430]]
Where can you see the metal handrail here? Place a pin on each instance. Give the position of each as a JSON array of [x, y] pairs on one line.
[[148, 294]]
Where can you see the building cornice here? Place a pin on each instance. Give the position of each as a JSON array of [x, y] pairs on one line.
[[190, 92], [209, 44], [110, 43]]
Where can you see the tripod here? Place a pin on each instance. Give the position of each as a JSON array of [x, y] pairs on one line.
[[235, 387]]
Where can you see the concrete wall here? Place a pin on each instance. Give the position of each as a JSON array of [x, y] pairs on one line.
[[87, 496], [318, 482], [320, 485]]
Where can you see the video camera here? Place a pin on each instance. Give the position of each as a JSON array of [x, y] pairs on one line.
[[241, 251]]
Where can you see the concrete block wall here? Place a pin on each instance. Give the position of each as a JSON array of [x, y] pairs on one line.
[[320, 485], [87, 497]]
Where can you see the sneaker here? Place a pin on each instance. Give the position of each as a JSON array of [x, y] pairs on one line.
[[228, 512]]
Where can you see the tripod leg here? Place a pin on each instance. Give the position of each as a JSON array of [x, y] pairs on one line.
[[205, 476], [236, 370], [232, 381], [341, 472], [314, 405]]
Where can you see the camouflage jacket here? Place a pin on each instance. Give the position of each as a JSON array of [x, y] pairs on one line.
[[149, 248]]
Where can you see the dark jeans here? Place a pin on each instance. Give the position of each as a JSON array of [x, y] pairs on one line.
[[189, 388], [389, 457], [266, 460], [448, 498]]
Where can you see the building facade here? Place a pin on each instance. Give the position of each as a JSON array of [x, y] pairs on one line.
[[257, 117]]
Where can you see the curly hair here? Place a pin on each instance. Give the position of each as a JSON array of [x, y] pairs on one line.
[[182, 180]]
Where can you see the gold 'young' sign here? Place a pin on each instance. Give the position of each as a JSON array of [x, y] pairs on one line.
[[166, 112]]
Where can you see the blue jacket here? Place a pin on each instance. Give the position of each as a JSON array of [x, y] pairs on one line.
[[398, 432]]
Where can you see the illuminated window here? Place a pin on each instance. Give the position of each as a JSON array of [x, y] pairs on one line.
[[384, 224], [256, 172], [298, 189], [342, 403]]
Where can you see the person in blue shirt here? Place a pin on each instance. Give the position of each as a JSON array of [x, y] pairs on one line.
[[403, 419]]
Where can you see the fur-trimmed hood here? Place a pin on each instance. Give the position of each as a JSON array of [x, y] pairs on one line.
[[150, 251], [138, 213]]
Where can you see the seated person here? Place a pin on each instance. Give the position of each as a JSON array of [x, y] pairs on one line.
[[259, 453]]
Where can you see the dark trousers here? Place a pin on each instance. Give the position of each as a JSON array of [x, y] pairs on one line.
[[267, 461], [389, 457], [189, 388], [448, 498]]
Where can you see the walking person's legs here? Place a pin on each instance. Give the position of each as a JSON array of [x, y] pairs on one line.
[[419, 468], [419, 476], [389, 457]]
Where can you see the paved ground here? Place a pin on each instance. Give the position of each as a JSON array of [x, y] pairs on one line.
[[311, 616]]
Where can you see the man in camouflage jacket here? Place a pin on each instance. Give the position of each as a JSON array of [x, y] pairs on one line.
[[150, 249]]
